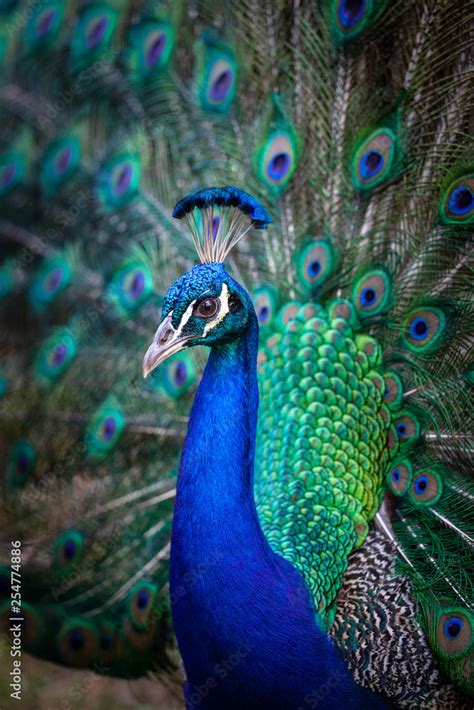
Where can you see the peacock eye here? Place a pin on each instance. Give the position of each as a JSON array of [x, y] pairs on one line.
[[208, 308]]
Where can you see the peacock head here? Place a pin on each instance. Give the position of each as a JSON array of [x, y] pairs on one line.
[[206, 306], [203, 307]]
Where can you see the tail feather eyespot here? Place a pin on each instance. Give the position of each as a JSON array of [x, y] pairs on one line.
[[315, 264], [426, 487], [350, 18], [372, 292], [78, 643], [373, 159], [457, 206], [424, 329], [399, 477]]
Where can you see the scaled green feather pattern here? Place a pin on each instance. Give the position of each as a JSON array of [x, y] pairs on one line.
[[322, 452]]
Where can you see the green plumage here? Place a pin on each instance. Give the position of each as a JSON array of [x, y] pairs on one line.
[[353, 130], [322, 446]]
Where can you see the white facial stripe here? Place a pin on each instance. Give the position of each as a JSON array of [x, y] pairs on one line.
[[224, 298], [186, 316]]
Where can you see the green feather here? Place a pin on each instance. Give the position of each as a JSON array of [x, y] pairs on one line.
[[216, 78], [277, 154]]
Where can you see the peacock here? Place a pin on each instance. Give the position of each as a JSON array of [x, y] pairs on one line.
[[282, 519]]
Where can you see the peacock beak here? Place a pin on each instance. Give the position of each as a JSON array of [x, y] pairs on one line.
[[167, 342]]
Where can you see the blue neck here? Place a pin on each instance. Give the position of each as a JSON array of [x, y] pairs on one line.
[[246, 627]]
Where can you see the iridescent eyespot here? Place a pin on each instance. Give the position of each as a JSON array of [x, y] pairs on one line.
[[373, 159], [216, 75], [399, 477], [76, 639], [150, 47], [59, 163], [426, 487], [42, 27], [12, 170], [123, 176], [68, 549], [458, 202], [218, 86], [135, 284], [78, 643], [58, 355], [393, 391], [221, 82], [130, 287], [104, 430], [372, 292], [454, 632], [21, 462], [109, 427], [315, 264], [278, 159], [94, 28], [55, 356], [7, 175], [407, 427], [350, 17], [453, 627], [52, 278], [93, 31], [45, 21], [140, 604], [424, 329], [119, 180], [63, 161], [276, 156], [265, 303], [178, 373], [154, 47]]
